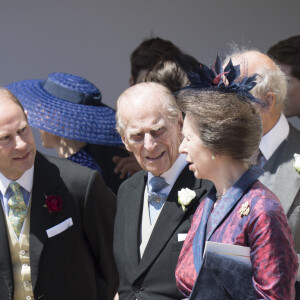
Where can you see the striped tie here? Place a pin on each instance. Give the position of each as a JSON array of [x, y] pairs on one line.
[[18, 209]]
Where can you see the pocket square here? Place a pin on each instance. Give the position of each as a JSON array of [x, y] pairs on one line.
[[57, 229], [181, 237]]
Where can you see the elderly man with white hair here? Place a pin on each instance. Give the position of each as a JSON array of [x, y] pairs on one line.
[[151, 222], [281, 141]]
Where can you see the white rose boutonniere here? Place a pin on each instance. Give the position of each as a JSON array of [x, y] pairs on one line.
[[185, 196], [297, 162]]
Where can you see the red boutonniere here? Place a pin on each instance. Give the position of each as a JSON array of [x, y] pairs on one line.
[[54, 203]]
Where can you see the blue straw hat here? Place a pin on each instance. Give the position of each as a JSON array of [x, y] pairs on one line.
[[68, 106]]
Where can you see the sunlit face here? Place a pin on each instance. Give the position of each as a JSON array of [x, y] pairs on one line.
[[198, 156], [49, 140], [17, 146], [292, 105], [153, 138]]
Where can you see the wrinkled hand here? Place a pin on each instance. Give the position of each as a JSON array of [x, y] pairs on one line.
[[126, 166]]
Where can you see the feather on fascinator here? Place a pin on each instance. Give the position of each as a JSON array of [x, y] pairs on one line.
[[204, 78]]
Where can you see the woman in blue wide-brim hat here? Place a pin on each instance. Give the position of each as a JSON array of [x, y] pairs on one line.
[[71, 118]]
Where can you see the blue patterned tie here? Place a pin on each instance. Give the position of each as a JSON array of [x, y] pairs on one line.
[[18, 209], [156, 199]]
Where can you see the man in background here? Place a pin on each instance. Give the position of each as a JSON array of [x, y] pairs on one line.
[[287, 54], [280, 139]]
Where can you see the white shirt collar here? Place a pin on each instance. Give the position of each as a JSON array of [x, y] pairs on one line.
[[25, 181], [172, 174], [272, 139]]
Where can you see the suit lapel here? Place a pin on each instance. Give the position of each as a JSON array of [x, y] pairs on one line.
[[133, 215], [5, 258], [169, 218], [288, 177], [46, 181], [280, 172]]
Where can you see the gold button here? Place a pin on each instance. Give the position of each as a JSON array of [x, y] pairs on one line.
[[157, 200]]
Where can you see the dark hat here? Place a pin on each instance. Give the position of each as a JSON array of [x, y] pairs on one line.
[[68, 106]]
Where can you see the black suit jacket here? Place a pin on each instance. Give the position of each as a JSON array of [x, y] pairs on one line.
[[78, 262], [152, 277]]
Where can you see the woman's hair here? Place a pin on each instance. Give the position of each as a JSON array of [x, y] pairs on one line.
[[148, 53], [228, 124], [170, 74]]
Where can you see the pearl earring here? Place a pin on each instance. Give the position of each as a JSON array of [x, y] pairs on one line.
[[213, 157]]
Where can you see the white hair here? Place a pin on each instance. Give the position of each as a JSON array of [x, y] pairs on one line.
[[271, 81], [269, 77], [168, 100]]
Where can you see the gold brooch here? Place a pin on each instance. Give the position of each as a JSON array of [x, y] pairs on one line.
[[245, 209]]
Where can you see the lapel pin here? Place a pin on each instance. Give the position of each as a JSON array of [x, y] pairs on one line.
[[245, 209]]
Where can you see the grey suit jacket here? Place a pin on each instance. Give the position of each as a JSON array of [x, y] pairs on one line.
[[284, 181], [153, 276]]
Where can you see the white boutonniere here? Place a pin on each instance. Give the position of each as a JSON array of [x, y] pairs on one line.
[[297, 162], [185, 196]]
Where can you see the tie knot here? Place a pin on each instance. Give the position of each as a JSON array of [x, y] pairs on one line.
[[15, 187], [157, 184]]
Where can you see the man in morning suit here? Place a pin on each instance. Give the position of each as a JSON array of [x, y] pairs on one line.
[[280, 139], [56, 220], [150, 224]]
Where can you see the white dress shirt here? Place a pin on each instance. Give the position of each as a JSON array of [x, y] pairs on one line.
[[272, 139], [170, 177]]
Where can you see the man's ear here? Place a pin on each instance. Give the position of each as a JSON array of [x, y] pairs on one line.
[[270, 101], [124, 140]]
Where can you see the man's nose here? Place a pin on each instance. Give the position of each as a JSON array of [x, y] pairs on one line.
[[149, 142], [19, 143]]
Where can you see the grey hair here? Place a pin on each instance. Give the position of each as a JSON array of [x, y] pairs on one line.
[[168, 100], [269, 78]]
